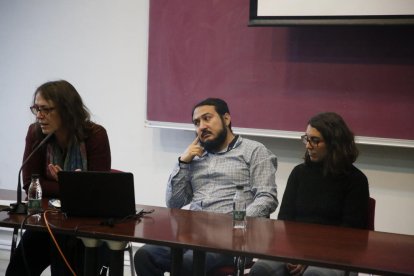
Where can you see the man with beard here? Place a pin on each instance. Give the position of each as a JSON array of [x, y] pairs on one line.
[[206, 176]]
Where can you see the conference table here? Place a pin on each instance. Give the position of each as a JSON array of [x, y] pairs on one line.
[[320, 245]]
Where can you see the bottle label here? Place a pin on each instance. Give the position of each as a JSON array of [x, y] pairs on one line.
[[34, 204], [239, 215]]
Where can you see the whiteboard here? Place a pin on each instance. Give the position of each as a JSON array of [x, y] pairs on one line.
[[334, 7], [331, 12]]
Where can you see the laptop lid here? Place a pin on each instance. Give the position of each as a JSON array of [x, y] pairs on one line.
[[97, 194]]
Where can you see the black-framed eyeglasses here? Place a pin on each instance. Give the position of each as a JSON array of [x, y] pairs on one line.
[[43, 110], [313, 141]]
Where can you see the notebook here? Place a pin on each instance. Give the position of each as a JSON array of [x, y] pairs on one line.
[[97, 194]]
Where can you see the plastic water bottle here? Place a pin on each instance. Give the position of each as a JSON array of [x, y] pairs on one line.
[[239, 209], [34, 196]]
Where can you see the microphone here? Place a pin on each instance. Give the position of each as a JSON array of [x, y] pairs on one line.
[[19, 207]]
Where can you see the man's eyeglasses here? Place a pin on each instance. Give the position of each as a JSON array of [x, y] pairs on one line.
[[43, 110], [313, 141]]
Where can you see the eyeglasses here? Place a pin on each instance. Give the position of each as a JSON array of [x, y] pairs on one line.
[[44, 111], [313, 141]]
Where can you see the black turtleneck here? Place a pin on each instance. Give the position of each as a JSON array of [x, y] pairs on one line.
[[314, 198]]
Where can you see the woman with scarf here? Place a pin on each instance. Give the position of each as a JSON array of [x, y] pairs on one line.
[[76, 144]]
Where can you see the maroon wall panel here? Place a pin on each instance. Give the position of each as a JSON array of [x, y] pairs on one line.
[[277, 77]]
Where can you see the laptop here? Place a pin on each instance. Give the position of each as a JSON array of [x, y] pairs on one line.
[[97, 194]]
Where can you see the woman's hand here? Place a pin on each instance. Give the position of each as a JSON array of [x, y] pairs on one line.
[[54, 169]]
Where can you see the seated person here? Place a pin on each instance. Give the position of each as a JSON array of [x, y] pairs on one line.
[[206, 176], [326, 189], [77, 144]]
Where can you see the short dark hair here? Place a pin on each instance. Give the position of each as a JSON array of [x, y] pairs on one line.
[[74, 114], [339, 140], [220, 106]]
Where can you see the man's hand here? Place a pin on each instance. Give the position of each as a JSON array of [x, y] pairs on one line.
[[296, 269], [193, 150]]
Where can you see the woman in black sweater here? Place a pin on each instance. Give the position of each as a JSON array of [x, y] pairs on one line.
[[326, 189]]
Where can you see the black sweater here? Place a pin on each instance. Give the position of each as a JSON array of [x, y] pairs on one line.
[[314, 198]]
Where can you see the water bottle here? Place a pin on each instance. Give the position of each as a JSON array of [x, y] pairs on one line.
[[239, 209], [34, 196]]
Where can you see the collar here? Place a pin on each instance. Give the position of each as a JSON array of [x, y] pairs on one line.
[[232, 143]]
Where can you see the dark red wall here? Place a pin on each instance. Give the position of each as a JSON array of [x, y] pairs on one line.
[[276, 78]]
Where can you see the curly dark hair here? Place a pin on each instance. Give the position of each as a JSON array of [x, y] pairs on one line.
[[339, 140], [74, 114]]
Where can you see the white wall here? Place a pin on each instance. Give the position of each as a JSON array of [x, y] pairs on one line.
[[100, 46]]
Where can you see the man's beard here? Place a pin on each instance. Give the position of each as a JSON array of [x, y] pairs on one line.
[[217, 143]]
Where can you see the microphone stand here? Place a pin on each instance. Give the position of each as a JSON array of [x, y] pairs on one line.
[[20, 207]]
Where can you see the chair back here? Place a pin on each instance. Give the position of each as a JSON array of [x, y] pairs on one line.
[[371, 214]]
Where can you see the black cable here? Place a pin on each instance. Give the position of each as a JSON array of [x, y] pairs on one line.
[[112, 221], [4, 208]]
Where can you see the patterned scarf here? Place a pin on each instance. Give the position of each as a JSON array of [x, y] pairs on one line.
[[75, 157]]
